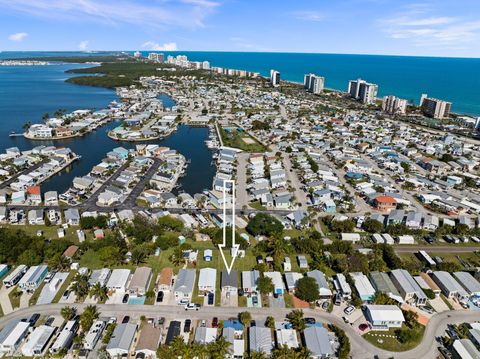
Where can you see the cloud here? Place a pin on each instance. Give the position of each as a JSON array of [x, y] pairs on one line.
[[19, 36], [169, 46], [182, 13], [418, 25], [83, 45], [309, 15]]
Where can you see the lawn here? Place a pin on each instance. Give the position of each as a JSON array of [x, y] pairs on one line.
[[288, 300], [49, 232], [257, 205], [14, 296], [36, 294], [236, 138], [392, 344]]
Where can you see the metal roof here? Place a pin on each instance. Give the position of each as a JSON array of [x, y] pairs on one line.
[[467, 281], [229, 279], [318, 341], [260, 340], [122, 337], [185, 281]]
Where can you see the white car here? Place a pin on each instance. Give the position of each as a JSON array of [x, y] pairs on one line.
[[192, 306], [349, 310]]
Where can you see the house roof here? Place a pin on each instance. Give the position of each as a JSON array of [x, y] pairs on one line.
[[385, 199], [166, 276], [318, 341], [122, 337], [149, 338], [229, 279], [381, 313]]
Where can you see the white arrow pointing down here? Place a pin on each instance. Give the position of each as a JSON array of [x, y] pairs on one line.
[[224, 226]]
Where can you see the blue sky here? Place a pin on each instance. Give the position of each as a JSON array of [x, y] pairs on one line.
[[402, 27]]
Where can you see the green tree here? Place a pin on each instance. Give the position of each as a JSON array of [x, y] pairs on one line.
[[372, 225], [88, 317], [99, 292], [295, 317], [264, 224], [270, 322], [265, 285], [68, 313], [80, 286], [307, 289], [245, 318]]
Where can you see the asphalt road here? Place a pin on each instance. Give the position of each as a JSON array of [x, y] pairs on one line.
[[360, 349]]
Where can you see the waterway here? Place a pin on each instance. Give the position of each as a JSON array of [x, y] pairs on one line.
[[27, 92]]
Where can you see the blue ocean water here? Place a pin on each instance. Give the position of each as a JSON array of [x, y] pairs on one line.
[[27, 92], [453, 79]]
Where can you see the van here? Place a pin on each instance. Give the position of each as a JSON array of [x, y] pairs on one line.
[[338, 299]]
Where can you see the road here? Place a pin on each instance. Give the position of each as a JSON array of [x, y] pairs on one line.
[[241, 183], [133, 195], [360, 349], [12, 179]]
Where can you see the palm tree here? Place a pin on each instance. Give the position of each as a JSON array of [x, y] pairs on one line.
[[283, 352], [177, 257], [257, 355], [245, 318], [296, 319], [68, 312], [88, 316], [177, 346], [270, 322], [80, 286], [219, 349], [99, 292]]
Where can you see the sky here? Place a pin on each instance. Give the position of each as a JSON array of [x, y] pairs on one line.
[[403, 27]]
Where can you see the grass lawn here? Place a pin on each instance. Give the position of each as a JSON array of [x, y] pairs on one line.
[[242, 301], [14, 296], [151, 287], [64, 286], [235, 138], [288, 300], [49, 232], [392, 344], [257, 205], [36, 294]]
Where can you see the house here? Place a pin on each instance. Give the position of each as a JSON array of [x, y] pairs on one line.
[[291, 279], [465, 349], [165, 279], [100, 276], [72, 216], [229, 281], [118, 279], [302, 262], [260, 340], [34, 195], [35, 216], [38, 340], [236, 349], [207, 280], [173, 331], [12, 335], [384, 317], [317, 341], [364, 288], [65, 338], [121, 340], [148, 341], [408, 288], [94, 334], [205, 335], [277, 281], [287, 264], [70, 251], [382, 283], [341, 286], [286, 337], [385, 203], [33, 278], [468, 282], [184, 284], [249, 281], [323, 287], [449, 286], [350, 237], [140, 281]]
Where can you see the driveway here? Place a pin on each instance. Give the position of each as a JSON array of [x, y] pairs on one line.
[[276, 302], [5, 300], [229, 299]]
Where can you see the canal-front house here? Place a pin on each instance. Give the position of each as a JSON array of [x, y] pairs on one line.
[[123, 152]]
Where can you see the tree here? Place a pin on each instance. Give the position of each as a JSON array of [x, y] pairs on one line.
[[270, 322], [177, 257], [245, 318], [30, 258], [382, 298], [219, 348], [99, 292], [283, 352], [449, 266], [257, 355], [307, 289], [264, 224], [461, 229], [295, 317], [80, 286], [58, 262], [68, 313], [372, 226], [265, 285], [88, 316], [342, 226], [139, 254]]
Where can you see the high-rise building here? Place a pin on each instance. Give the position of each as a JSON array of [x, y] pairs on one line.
[[363, 91], [435, 108], [205, 65], [314, 83], [275, 78], [137, 54], [156, 57], [394, 105]]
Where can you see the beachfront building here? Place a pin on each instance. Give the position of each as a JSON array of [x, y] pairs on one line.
[[435, 108], [363, 91], [394, 105], [274, 78], [314, 83]]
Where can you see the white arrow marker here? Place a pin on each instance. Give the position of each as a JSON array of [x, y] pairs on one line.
[[234, 246]]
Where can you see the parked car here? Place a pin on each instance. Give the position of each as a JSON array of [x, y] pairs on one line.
[[427, 310], [192, 306], [125, 319], [338, 299], [210, 298], [160, 297], [125, 298], [49, 321], [183, 301], [161, 321], [214, 322], [349, 310], [33, 319], [255, 300], [363, 327], [310, 321], [325, 305], [186, 328]]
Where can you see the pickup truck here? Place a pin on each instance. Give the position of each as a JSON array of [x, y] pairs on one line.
[[192, 306]]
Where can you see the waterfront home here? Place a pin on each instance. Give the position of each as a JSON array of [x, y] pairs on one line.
[[140, 281], [34, 195], [121, 340], [51, 198], [39, 130], [72, 216], [18, 197], [184, 283], [207, 280], [384, 317], [83, 183]]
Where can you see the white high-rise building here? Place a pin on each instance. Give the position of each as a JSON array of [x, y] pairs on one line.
[[137, 54], [153, 56], [205, 65], [314, 83], [435, 108], [394, 105], [275, 78], [363, 91]]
